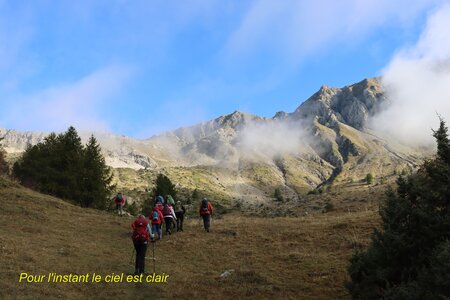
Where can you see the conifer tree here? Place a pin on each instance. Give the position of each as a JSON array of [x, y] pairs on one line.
[[4, 168], [195, 196], [63, 167], [409, 258], [70, 153], [164, 187], [369, 178], [96, 177]]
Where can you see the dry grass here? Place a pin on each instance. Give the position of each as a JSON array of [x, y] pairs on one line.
[[293, 258]]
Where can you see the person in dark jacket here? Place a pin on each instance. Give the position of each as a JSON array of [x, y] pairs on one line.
[[180, 210], [206, 211], [141, 236]]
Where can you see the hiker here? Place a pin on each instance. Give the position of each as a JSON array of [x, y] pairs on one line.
[[180, 210], [169, 216], [141, 236], [206, 211], [119, 199], [170, 200], [157, 219], [159, 201]]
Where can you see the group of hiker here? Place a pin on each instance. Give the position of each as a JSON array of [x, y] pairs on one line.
[[165, 211]]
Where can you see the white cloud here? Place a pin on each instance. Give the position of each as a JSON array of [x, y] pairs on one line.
[[81, 103], [295, 29], [417, 81], [272, 139]]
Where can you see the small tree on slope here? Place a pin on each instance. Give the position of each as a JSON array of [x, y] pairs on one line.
[[164, 187], [4, 168]]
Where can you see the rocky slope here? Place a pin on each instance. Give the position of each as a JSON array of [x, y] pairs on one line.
[[245, 157]]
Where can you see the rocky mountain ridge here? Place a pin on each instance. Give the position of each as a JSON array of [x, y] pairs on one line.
[[327, 138]]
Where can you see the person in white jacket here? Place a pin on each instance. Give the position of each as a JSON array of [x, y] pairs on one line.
[[169, 217]]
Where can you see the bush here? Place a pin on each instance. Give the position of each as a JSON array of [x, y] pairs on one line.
[[278, 196], [316, 191], [329, 207], [147, 206], [369, 178], [133, 209], [195, 197]]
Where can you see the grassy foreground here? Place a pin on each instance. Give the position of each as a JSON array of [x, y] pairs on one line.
[[294, 258]]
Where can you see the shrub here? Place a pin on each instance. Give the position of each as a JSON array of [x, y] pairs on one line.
[[369, 178]]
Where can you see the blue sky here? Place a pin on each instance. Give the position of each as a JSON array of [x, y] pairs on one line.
[[139, 68]]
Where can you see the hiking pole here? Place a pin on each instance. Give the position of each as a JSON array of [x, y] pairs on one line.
[[154, 263], [131, 258]]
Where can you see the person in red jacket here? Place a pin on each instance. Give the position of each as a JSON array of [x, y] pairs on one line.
[[141, 236], [206, 211], [157, 219], [159, 203], [119, 199]]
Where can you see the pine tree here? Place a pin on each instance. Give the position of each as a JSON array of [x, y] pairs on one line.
[[96, 177], [4, 168], [409, 257], [72, 159], [195, 197], [63, 167], [164, 187]]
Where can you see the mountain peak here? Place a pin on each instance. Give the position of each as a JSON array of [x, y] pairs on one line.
[[352, 104], [367, 85], [237, 119], [280, 115]]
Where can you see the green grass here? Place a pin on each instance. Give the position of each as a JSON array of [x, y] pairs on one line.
[[272, 258]]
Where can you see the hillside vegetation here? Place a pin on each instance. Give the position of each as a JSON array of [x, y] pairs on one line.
[[283, 257]]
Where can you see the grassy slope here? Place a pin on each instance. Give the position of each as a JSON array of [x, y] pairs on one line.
[[303, 257]]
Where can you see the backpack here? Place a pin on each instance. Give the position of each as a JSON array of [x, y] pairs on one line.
[[160, 199], [170, 200], [119, 198], [205, 205], [155, 216], [167, 211], [140, 231]]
